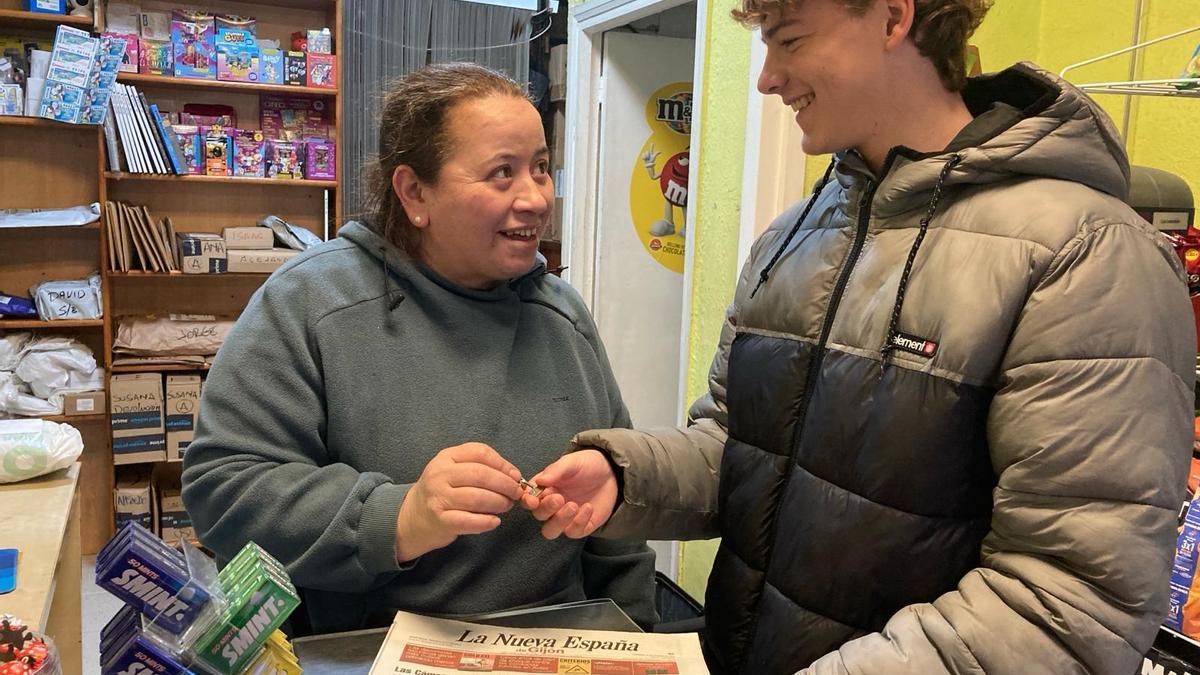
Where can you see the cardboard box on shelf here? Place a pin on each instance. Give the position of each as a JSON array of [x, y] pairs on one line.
[[182, 404], [133, 499], [201, 253], [248, 238], [174, 523], [84, 403], [259, 261], [137, 418]]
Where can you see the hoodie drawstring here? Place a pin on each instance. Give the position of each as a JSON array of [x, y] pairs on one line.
[[394, 295], [888, 347], [812, 201]]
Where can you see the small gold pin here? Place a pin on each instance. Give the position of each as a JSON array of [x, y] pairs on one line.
[[531, 488]]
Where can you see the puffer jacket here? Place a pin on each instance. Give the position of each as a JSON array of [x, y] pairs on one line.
[[949, 418]]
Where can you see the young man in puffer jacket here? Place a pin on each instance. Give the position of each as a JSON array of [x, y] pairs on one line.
[[950, 414]]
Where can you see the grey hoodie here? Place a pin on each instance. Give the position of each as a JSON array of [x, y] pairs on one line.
[[348, 371]]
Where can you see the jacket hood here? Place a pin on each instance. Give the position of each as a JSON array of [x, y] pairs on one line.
[[401, 264], [1060, 133]]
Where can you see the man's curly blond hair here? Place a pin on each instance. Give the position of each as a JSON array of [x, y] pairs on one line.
[[941, 28]]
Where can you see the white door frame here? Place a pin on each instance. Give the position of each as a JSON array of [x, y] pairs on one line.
[[585, 40]]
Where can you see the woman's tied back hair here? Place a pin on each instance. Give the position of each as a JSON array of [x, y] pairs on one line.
[[413, 132]]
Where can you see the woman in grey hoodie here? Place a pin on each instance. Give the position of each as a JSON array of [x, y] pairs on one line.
[[368, 418]]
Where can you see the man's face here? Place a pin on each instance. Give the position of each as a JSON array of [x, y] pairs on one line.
[[827, 64]]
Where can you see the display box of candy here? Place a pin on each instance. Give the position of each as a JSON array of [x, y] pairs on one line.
[[24, 652]]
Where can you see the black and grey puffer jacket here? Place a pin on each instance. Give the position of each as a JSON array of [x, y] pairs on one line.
[[949, 418]]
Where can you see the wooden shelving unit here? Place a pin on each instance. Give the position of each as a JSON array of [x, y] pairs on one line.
[[162, 368], [6, 324], [58, 165], [65, 165], [195, 83], [233, 180], [19, 121], [146, 276], [19, 18]]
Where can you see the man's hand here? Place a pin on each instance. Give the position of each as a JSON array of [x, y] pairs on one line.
[[461, 491], [579, 495]]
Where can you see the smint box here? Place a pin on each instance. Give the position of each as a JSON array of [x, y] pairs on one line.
[[256, 583], [134, 539], [235, 573], [135, 534], [123, 624], [250, 554], [149, 590], [124, 659], [152, 588], [134, 553], [228, 650], [183, 402], [137, 418]]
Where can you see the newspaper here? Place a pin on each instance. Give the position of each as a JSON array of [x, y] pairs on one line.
[[419, 645]]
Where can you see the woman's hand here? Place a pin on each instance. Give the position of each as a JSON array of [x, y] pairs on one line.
[[579, 495], [461, 491]]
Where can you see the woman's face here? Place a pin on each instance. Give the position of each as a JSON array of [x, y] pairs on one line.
[[493, 198]]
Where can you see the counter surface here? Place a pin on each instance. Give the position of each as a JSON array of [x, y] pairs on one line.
[[37, 513]]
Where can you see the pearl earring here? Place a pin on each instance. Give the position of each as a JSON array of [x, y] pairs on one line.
[[417, 220]]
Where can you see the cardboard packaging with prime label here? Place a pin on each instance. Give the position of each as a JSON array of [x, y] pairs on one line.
[[259, 261], [201, 253], [183, 401], [249, 238], [137, 418]]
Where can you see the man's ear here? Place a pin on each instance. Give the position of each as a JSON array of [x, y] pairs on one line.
[[900, 15], [413, 194]]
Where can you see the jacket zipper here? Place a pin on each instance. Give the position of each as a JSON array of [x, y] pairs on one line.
[[814, 367]]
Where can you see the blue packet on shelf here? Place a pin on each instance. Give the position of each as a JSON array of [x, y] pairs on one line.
[[13, 305]]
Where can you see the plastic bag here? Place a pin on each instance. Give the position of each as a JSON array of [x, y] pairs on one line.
[[73, 216], [290, 235], [12, 347], [51, 365], [15, 399], [178, 335], [32, 448], [15, 305], [58, 300]]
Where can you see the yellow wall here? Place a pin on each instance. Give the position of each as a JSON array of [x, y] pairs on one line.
[[718, 188]]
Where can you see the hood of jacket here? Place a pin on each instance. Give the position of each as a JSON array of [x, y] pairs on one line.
[[1060, 133], [393, 261]]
